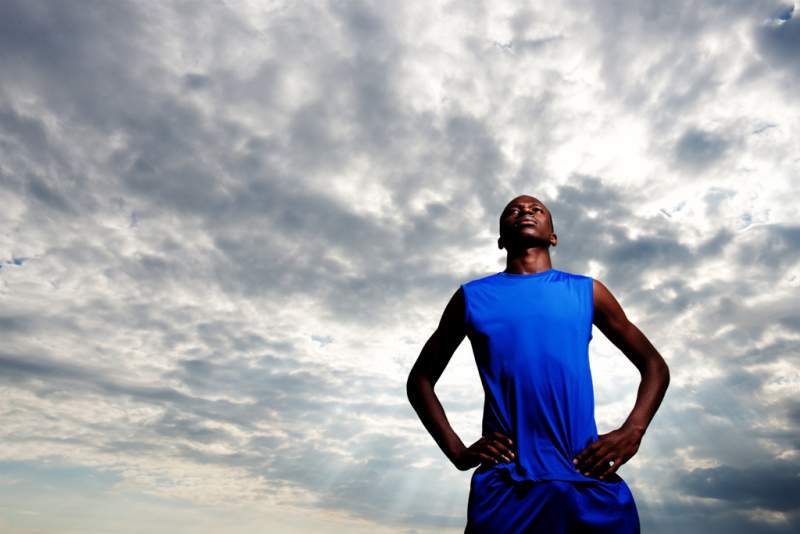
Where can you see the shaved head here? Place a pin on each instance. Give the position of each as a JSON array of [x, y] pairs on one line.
[[526, 199]]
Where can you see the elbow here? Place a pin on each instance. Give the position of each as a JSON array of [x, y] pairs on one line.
[[412, 386], [663, 373], [415, 382], [656, 368]]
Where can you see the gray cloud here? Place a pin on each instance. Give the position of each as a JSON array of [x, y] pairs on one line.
[[217, 220], [779, 38], [699, 149], [772, 485]]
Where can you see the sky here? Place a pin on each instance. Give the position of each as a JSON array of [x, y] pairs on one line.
[[229, 227]]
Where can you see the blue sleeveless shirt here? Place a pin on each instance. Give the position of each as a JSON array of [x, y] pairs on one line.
[[530, 335]]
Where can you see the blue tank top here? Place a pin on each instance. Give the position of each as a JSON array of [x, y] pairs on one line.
[[530, 335]]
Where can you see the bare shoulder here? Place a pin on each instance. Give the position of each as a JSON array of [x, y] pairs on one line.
[[451, 324], [607, 310], [600, 291], [444, 341]]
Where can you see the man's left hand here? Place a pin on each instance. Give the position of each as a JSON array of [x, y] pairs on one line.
[[617, 446]]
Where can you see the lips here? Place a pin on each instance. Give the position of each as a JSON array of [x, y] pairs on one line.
[[525, 222]]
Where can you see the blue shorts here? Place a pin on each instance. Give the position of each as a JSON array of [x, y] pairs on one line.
[[499, 505]]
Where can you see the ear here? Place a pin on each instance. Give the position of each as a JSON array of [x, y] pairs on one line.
[[500, 242], [553, 240]]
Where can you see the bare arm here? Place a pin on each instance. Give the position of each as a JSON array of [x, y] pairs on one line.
[[428, 368], [620, 445], [612, 321]]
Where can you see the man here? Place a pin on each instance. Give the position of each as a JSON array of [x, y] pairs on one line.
[[543, 467]]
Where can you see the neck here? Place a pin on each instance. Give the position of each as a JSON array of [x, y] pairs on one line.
[[529, 261]]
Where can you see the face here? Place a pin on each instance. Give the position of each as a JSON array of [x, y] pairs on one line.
[[526, 216]]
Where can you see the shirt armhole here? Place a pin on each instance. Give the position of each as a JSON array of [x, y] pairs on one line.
[[466, 308], [591, 307]]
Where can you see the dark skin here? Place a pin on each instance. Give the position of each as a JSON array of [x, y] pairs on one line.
[[527, 233]]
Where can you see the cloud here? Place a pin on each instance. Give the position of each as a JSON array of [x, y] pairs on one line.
[[229, 230], [779, 38], [772, 486], [698, 149]]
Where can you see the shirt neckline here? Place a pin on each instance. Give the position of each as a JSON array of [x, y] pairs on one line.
[[526, 275]]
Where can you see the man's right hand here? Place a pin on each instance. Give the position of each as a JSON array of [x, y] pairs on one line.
[[489, 450]]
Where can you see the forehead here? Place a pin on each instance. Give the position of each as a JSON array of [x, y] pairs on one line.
[[523, 200]]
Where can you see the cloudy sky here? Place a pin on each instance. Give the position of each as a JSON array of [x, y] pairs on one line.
[[228, 228]]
